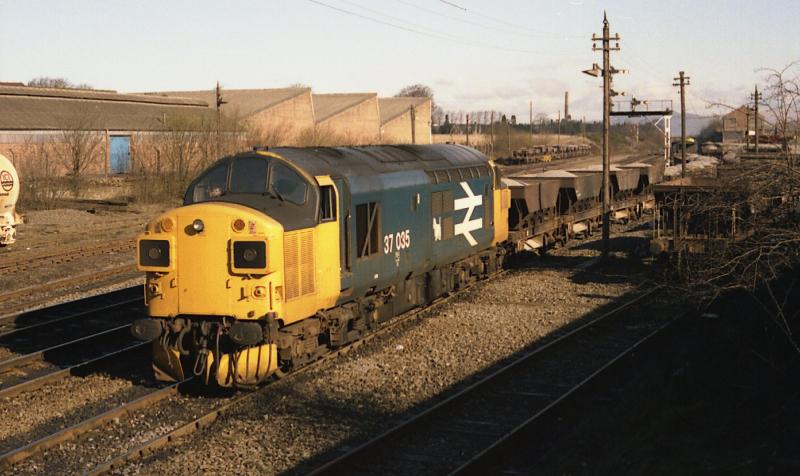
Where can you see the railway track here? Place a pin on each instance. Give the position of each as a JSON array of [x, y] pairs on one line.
[[38, 296], [452, 434], [152, 398], [37, 238], [59, 255], [193, 424], [50, 345]]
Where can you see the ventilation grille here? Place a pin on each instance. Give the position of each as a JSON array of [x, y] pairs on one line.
[[298, 257]]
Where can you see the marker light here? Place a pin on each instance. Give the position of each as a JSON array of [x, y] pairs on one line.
[[198, 225], [167, 224]]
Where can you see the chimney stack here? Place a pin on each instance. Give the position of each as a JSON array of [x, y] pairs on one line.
[[566, 106]]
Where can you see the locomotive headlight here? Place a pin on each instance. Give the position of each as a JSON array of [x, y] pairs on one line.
[[198, 225], [154, 253], [249, 256]]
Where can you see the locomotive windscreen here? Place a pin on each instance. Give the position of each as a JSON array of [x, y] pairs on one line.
[[261, 183]]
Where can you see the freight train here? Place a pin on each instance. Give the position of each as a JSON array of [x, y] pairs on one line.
[[545, 153], [279, 256], [9, 193]]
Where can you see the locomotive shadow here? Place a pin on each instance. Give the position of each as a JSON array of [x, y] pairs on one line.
[[359, 409], [132, 366], [626, 263]]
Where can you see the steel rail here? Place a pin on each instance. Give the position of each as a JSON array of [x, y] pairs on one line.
[[38, 355], [27, 260], [10, 321], [60, 287], [484, 460], [336, 465], [75, 431], [151, 446], [61, 373]]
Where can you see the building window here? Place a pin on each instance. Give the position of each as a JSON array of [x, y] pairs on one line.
[[327, 203], [368, 224]]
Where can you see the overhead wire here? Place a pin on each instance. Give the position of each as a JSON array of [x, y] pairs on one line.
[[500, 20], [417, 30], [482, 25], [410, 27], [646, 68]]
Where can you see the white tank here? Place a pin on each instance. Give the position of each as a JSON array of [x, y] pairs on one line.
[[9, 193]]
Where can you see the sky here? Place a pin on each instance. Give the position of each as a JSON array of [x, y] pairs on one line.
[[474, 54]]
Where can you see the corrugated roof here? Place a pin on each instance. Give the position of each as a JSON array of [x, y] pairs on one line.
[[53, 109], [245, 102], [99, 95], [393, 107], [329, 105]]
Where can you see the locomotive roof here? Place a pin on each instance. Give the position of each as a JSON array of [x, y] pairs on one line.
[[380, 159]]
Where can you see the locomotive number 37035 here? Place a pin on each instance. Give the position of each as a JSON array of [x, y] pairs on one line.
[[397, 241]]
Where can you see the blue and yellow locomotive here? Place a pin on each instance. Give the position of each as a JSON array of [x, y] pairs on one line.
[[278, 256]]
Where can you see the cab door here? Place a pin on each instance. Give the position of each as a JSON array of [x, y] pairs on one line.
[[345, 238]]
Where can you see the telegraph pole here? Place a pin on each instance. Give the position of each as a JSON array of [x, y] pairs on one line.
[[531, 123], [683, 81], [607, 72], [413, 113], [467, 130], [491, 131], [219, 102], [756, 96], [508, 135], [747, 128], [558, 140]]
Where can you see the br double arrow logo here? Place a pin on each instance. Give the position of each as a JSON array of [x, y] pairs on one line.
[[468, 225]]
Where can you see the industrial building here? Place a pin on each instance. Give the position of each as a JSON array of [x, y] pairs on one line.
[[118, 130], [46, 122], [280, 114], [347, 118], [397, 125], [740, 122]]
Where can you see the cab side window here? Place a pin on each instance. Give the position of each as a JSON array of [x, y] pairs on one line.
[[327, 203], [368, 229], [287, 184]]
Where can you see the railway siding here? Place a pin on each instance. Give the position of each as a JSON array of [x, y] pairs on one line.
[[439, 439]]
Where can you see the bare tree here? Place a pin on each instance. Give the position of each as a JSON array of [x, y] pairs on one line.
[[422, 91], [58, 83], [750, 224], [80, 146], [781, 96]]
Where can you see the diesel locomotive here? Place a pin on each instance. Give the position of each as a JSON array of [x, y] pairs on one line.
[[278, 256]]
